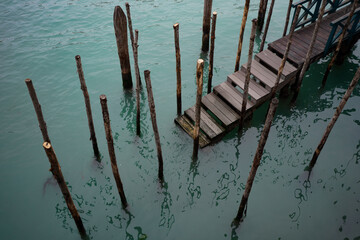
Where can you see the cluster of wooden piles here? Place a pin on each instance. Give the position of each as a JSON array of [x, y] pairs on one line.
[[221, 109]]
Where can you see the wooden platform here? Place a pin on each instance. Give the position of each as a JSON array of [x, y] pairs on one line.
[[221, 109], [302, 39]]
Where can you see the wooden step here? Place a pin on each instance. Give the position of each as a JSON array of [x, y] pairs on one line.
[[263, 74], [273, 62], [188, 127], [207, 124], [256, 91], [220, 109], [232, 96]]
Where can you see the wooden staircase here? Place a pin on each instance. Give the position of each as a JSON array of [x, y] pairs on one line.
[[221, 109]]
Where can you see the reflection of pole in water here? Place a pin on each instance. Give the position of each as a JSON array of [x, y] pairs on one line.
[[167, 218]]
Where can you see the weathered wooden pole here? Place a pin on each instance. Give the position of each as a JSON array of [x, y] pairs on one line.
[[120, 27], [178, 68], [241, 37], [334, 118], [87, 105], [287, 17], [154, 124], [247, 79], [110, 143], [308, 55], [56, 171], [199, 83], [261, 14], [128, 13], [283, 62], [267, 26], [212, 47], [138, 82], [257, 158], [37, 107], [206, 25], [341, 38]]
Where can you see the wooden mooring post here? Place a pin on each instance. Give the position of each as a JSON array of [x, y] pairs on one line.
[[87, 105], [120, 27], [256, 161], [248, 72], [287, 18], [110, 143], [37, 107], [330, 126], [261, 14], [178, 68], [138, 82], [267, 26], [154, 124], [283, 61], [134, 44], [308, 54], [212, 48], [241, 37], [206, 25], [341, 38], [56, 171], [199, 83]]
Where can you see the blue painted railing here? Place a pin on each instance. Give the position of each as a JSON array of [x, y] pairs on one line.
[[310, 10], [338, 28]]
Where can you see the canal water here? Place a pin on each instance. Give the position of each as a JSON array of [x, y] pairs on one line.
[[39, 39]]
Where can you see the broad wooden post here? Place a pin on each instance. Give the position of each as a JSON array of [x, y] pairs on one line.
[[110, 143], [241, 37], [206, 25], [308, 55], [334, 118], [56, 171], [37, 107], [257, 158], [154, 124], [248, 67], [199, 82], [120, 27], [87, 105], [178, 68], [212, 47], [267, 26]]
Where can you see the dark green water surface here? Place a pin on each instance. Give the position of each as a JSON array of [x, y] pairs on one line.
[[39, 39]]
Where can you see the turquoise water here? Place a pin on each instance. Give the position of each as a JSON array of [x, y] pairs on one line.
[[39, 39]]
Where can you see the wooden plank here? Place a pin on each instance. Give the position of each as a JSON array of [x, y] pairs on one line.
[[190, 113], [188, 127], [274, 62], [220, 109], [211, 122], [207, 123], [239, 80], [280, 50], [263, 74], [232, 96], [256, 91]]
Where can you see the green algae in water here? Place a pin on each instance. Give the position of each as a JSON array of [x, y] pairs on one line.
[[39, 39]]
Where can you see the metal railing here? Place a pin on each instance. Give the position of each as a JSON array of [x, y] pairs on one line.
[[310, 10], [338, 28]]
